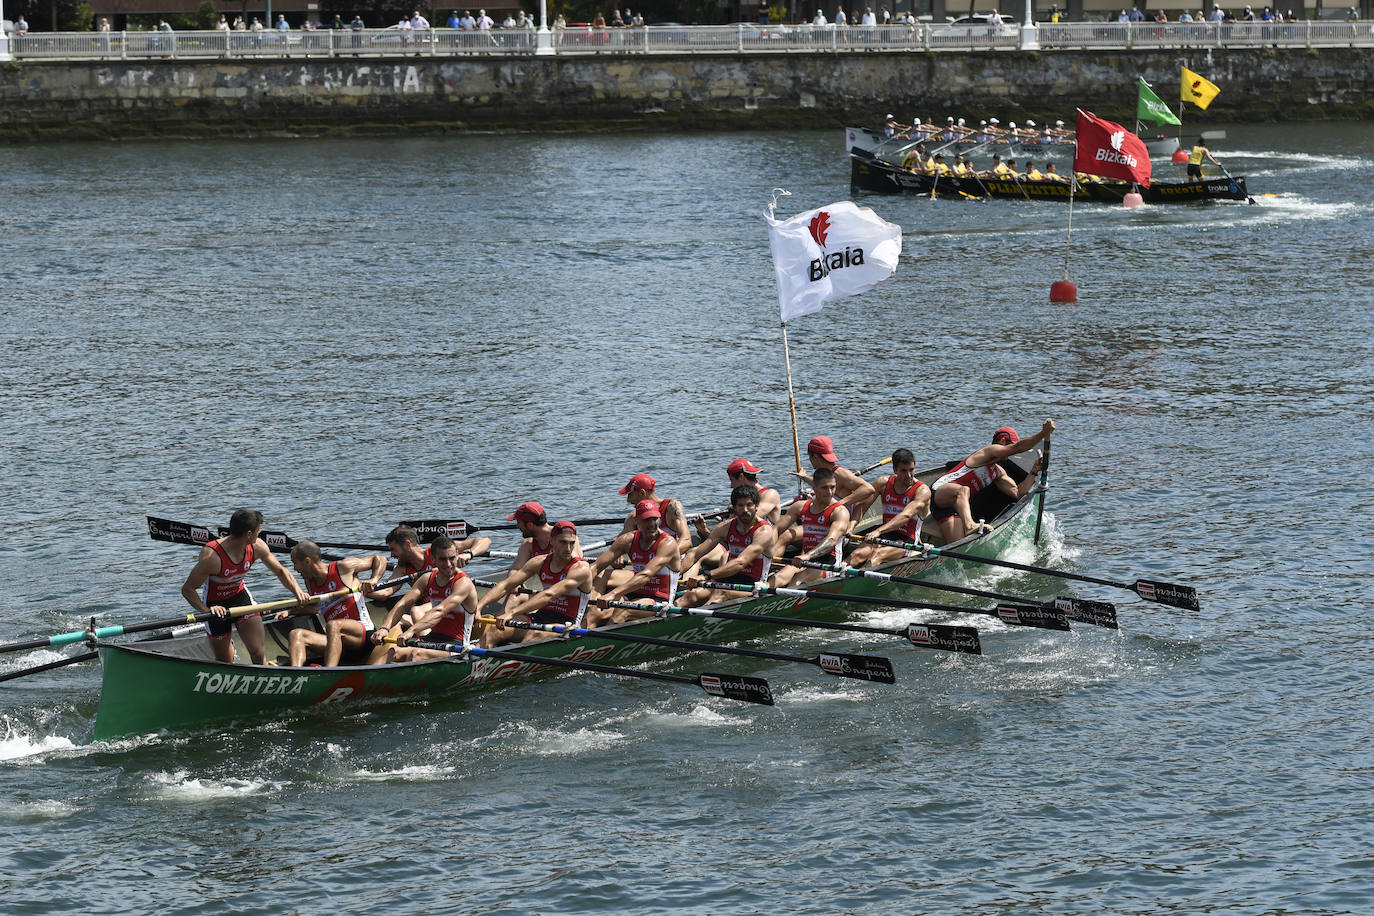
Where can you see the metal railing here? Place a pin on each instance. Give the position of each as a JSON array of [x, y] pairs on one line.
[[725, 39]]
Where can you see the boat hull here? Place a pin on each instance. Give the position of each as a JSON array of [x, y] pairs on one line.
[[884, 178], [149, 688]]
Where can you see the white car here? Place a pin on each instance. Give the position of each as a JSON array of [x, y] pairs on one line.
[[982, 24]]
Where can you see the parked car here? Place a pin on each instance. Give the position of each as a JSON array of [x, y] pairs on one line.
[[981, 24]]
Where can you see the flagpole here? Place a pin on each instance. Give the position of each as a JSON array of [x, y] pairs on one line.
[[791, 401]]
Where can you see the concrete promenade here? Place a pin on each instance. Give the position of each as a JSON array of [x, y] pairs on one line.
[[42, 100]]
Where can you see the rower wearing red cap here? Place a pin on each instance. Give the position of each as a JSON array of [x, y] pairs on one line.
[[533, 524], [906, 503], [852, 490], [950, 494], [749, 542], [567, 584], [642, 487], [820, 524], [741, 472], [653, 556]]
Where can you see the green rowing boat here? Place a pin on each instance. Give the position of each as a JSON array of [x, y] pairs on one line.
[[174, 685]]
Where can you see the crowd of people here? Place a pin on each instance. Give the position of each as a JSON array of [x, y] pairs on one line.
[[656, 559]]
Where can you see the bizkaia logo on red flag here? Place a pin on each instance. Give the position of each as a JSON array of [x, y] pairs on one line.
[[1108, 149], [820, 227]]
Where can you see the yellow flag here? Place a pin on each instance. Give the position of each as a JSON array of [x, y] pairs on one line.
[[1197, 90]]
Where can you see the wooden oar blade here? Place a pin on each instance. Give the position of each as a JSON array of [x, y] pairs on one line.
[[1182, 596], [737, 687], [1031, 615], [1096, 613], [860, 667], [945, 637]]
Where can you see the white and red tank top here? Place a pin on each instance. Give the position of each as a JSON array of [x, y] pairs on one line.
[[571, 606], [815, 526], [894, 502], [349, 607], [736, 543], [229, 581], [973, 478], [457, 623], [664, 583]]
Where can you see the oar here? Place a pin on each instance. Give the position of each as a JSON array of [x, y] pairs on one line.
[[1180, 596], [730, 686], [1097, 613], [840, 664], [1044, 481], [1017, 612], [174, 532], [106, 632], [62, 663], [921, 635], [874, 467], [1234, 185], [429, 529]]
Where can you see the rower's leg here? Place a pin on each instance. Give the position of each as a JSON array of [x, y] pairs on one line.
[[302, 641], [254, 635], [343, 634]]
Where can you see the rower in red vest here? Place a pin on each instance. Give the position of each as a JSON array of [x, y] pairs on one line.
[[653, 556], [442, 603], [221, 568], [642, 487], [567, 584], [346, 620], [820, 523], [533, 524], [855, 492], [906, 503], [950, 494], [404, 543], [748, 540], [741, 472]]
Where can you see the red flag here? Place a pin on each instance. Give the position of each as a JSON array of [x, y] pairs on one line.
[[1108, 149]]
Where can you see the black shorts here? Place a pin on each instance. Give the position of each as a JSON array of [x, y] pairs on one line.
[[220, 627], [544, 615], [940, 513], [1194, 171]]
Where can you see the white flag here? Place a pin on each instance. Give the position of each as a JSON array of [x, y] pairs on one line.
[[830, 253]]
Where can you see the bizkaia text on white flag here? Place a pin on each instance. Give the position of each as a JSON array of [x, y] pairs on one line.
[[829, 253]]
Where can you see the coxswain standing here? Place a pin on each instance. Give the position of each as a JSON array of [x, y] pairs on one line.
[[906, 504], [950, 494], [443, 602], [654, 557], [346, 620], [567, 584], [820, 524], [221, 568], [748, 540], [1195, 158]]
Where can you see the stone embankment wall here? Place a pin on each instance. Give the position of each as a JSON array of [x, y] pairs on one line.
[[85, 99]]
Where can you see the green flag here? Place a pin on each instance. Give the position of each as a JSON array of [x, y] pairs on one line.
[[1151, 108]]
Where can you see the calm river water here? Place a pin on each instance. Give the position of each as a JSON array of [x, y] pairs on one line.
[[344, 333]]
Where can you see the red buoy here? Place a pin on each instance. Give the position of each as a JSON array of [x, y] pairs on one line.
[[1063, 291], [1130, 200], [1180, 156]]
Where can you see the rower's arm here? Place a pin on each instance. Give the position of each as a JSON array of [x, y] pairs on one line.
[[408, 601], [283, 574], [762, 541], [464, 594], [474, 548], [514, 579], [665, 556], [717, 536], [206, 565], [610, 555]]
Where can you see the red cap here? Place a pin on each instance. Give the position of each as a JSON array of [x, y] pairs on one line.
[[1006, 432], [639, 482], [821, 445], [526, 512], [564, 525], [647, 508], [741, 466]]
